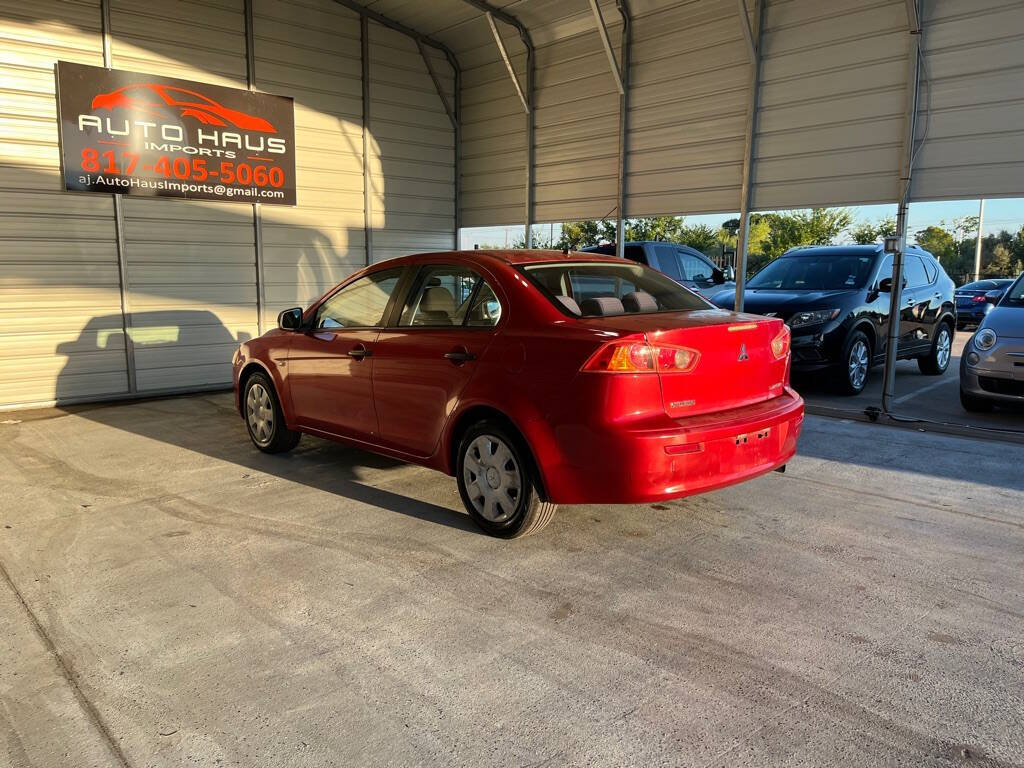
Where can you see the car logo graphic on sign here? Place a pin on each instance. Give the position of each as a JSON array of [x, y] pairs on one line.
[[743, 354], [140, 96]]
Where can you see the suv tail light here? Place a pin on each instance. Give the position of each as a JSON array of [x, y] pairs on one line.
[[780, 344], [641, 357]]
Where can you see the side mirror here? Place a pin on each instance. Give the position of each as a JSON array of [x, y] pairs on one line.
[[885, 285], [290, 319], [717, 276], [730, 274]]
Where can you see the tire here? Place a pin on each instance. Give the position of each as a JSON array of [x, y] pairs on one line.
[[973, 403], [936, 361], [263, 417], [498, 482], [851, 380]]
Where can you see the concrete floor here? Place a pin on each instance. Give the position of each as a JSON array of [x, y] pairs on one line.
[[171, 597]]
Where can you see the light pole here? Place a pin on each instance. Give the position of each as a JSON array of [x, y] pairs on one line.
[[977, 245]]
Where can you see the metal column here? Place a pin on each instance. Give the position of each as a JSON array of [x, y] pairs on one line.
[[753, 38], [257, 211], [909, 155], [625, 55], [122, 262]]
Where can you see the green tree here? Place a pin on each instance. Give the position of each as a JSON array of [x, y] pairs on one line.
[[866, 232], [1002, 263], [699, 236], [939, 242], [579, 234], [820, 226]]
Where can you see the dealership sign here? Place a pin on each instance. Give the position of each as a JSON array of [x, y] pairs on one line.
[[156, 136]]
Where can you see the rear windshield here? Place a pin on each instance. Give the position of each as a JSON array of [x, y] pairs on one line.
[[608, 288], [1014, 297], [815, 272]]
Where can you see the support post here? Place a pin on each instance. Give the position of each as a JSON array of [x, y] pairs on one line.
[[914, 29], [625, 56], [977, 245], [364, 39], [122, 261], [452, 110], [257, 210], [753, 38]]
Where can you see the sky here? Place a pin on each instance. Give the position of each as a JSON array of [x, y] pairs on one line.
[[1000, 214]]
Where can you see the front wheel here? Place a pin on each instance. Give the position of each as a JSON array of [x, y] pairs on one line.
[[497, 483], [853, 375], [264, 419], [936, 361]]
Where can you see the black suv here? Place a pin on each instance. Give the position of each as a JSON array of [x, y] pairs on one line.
[[835, 299], [684, 264]]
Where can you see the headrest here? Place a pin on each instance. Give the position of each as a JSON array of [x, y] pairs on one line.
[[639, 301], [438, 300], [602, 305], [570, 304]]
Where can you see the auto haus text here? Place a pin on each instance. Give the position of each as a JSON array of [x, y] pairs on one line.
[[163, 137]]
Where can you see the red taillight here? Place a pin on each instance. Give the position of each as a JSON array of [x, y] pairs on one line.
[[641, 357], [780, 344], [978, 299]]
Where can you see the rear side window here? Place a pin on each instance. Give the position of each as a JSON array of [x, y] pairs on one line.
[[442, 297], [916, 275], [609, 288], [929, 267]]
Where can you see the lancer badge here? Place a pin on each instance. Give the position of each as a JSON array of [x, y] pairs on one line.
[[743, 354]]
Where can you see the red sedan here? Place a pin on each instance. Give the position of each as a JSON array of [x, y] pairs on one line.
[[535, 377]]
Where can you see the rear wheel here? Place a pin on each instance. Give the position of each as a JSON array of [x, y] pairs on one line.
[[973, 403], [856, 363], [263, 417], [497, 482], [936, 361]]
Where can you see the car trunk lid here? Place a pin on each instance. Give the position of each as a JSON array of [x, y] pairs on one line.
[[737, 366]]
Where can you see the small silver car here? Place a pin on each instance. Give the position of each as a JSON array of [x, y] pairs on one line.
[[992, 365]]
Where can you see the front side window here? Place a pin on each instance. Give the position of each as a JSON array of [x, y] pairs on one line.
[[445, 296], [696, 269], [360, 304], [668, 262], [610, 288], [1014, 296]]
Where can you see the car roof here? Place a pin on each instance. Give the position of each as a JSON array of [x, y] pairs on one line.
[[846, 250], [505, 256], [690, 248]]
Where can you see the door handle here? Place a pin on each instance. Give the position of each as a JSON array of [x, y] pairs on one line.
[[358, 352], [460, 356]]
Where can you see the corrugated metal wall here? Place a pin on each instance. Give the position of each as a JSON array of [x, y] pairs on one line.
[[975, 71], [191, 270], [493, 128], [190, 266], [60, 307], [411, 149], [310, 50], [833, 100]]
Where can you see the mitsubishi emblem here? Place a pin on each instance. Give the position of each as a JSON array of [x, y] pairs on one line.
[[743, 354]]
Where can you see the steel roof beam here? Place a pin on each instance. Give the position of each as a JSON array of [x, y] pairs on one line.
[[602, 30]]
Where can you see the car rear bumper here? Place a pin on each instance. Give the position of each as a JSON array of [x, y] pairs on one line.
[[679, 458]]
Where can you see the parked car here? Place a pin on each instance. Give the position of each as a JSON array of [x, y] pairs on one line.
[[686, 265], [836, 301], [975, 300], [992, 365], [536, 378]]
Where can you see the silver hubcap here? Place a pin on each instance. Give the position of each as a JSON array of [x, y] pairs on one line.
[[942, 348], [260, 413], [858, 364], [492, 479]]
